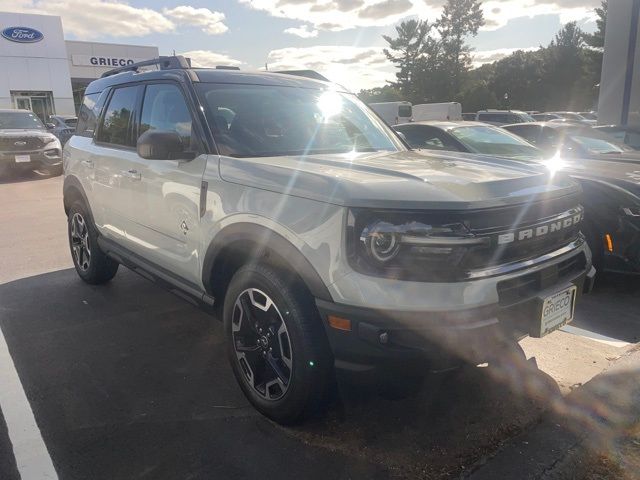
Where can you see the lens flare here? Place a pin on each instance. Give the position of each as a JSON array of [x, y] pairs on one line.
[[329, 104]]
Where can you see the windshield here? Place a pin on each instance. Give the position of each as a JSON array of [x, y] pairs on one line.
[[269, 121], [526, 117], [19, 121], [494, 141], [570, 116], [597, 142]]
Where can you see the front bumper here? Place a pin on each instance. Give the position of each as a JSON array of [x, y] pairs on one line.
[[48, 157], [447, 337]]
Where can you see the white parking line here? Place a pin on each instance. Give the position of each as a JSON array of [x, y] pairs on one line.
[[594, 336], [31, 454]]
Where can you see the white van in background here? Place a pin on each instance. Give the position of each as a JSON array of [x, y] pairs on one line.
[[437, 111], [393, 112]]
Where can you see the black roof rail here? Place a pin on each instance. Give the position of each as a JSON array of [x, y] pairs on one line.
[[227, 67], [163, 63], [305, 73]]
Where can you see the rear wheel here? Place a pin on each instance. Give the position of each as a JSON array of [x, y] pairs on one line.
[[91, 263], [276, 344]]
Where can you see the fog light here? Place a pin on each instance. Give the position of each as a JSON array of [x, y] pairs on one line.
[[339, 323]]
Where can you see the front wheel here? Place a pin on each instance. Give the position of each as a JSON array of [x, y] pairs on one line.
[[277, 347], [91, 263]]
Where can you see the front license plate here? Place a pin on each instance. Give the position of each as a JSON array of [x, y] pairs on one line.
[[557, 310], [23, 158]]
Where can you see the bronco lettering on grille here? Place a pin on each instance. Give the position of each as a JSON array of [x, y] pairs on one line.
[[540, 230]]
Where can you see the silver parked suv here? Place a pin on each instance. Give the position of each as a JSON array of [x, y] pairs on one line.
[[322, 241]]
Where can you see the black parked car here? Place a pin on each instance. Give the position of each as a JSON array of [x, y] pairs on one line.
[[62, 126], [611, 187], [627, 134], [574, 141], [25, 143]]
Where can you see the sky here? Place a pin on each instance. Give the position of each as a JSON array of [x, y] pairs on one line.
[[342, 39]]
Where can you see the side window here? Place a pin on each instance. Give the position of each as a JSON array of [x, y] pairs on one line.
[[528, 132], [89, 113], [117, 124], [549, 138], [164, 108], [426, 137]]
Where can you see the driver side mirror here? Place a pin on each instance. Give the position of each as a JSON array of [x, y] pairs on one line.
[[162, 145], [50, 126]]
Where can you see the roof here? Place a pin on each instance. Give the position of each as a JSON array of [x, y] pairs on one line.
[[447, 124], [556, 125], [8, 110], [211, 75]]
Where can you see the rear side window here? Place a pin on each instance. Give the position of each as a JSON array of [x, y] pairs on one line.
[[419, 136], [405, 111], [117, 124], [89, 113], [165, 109]]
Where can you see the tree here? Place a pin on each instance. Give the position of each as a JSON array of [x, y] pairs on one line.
[[407, 52], [596, 39], [564, 70], [387, 93], [460, 19]]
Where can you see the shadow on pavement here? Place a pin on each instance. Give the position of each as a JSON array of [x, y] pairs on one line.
[[20, 176], [128, 381]]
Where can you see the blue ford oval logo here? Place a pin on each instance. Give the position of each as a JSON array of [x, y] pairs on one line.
[[22, 34]]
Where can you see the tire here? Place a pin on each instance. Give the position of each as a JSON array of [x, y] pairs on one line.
[[91, 263], [277, 346]]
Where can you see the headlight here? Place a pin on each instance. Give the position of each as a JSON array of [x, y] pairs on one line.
[[409, 245], [50, 139]]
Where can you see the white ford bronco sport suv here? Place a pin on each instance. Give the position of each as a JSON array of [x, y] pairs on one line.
[[322, 241]]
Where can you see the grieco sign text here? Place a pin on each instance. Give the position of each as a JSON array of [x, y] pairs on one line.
[[103, 61]]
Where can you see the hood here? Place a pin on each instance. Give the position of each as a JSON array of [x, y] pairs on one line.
[[17, 132], [631, 157], [409, 179], [625, 174]]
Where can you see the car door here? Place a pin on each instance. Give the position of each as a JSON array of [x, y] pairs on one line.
[[166, 199], [113, 158]]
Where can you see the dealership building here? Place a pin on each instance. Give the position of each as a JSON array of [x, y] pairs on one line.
[[43, 72]]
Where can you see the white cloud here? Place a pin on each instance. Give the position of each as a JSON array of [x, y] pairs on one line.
[[303, 31], [336, 15], [353, 67], [88, 19], [489, 56], [211, 22], [207, 58], [95, 18], [498, 12]]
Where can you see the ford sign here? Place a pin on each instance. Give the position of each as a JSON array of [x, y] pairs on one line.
[[22, 34]]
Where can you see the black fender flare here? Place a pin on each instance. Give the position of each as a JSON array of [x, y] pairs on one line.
[[262, 239]]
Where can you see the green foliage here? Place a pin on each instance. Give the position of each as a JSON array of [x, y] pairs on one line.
[[381, 94], [434, 65]]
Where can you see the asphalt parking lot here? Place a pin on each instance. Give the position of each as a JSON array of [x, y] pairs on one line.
[[128, 381]]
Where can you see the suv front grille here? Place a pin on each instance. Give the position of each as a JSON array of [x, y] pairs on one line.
[[20, 143], [524, 232]]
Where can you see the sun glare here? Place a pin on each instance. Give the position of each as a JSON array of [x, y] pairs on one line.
[[330, 104], [555, 164]]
